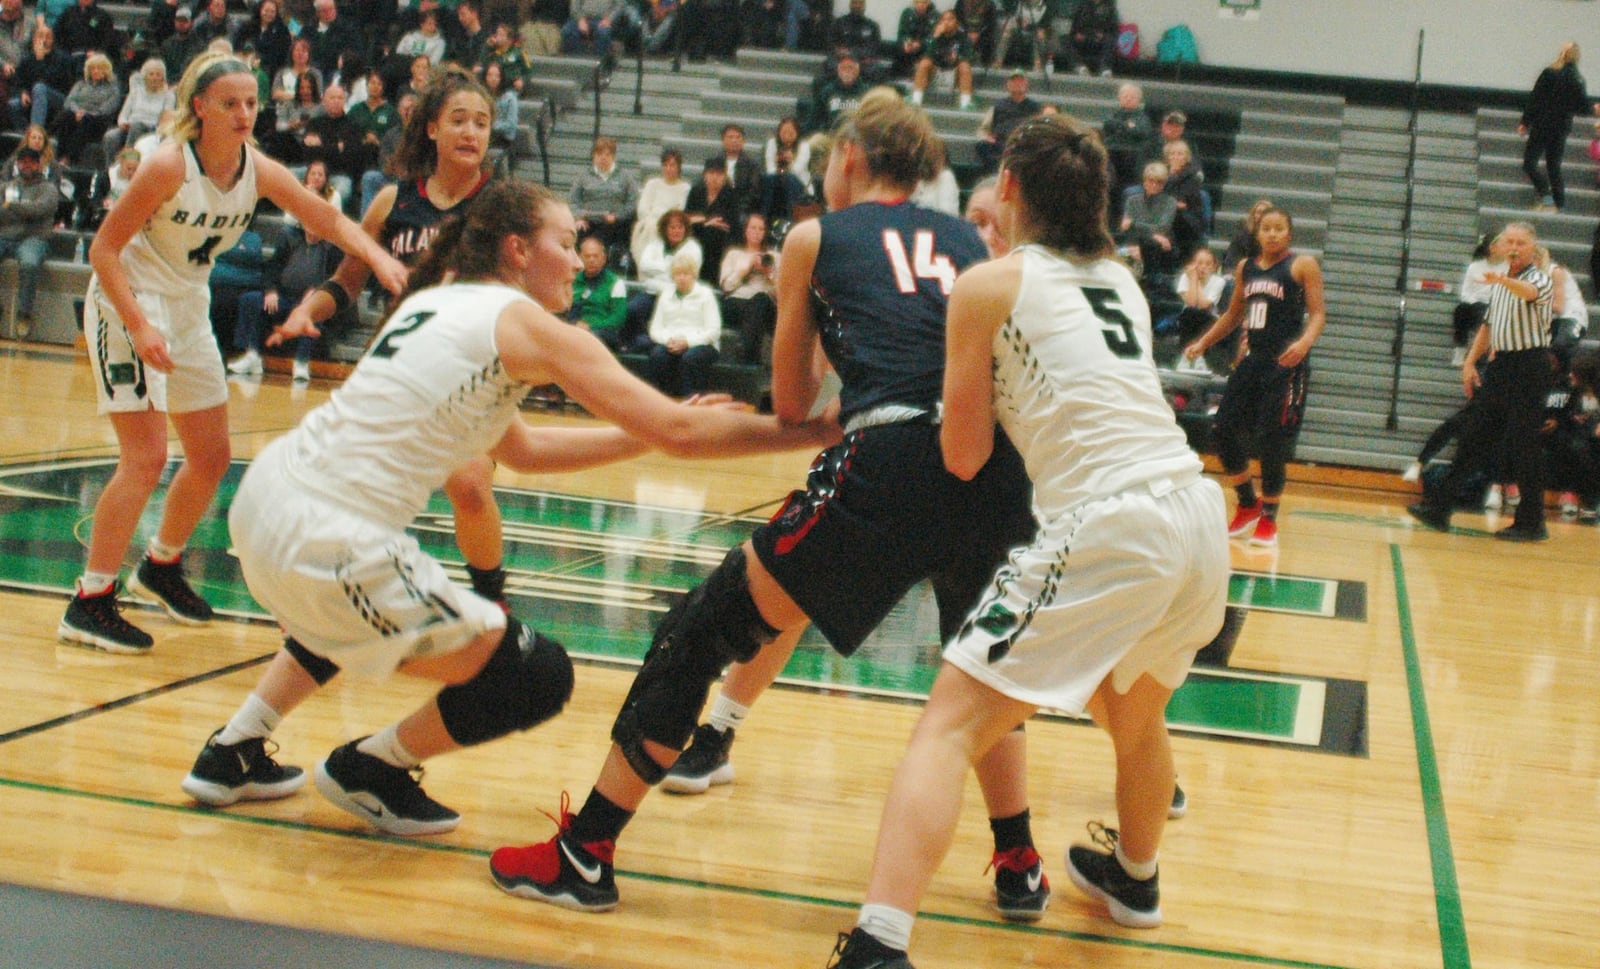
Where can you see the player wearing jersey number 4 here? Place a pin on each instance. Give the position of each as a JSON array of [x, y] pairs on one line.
[[1052, 344]]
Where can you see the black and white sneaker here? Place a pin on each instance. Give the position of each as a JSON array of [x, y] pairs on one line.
[[1180, 804], [97, 621], [166, 584], [858, 950], [704, 765], [1097, 873], [390, 798], [1021, 892], [225, 774]]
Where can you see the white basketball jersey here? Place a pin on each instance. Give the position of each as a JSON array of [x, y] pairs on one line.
[[1076, 387], [173, 253], [429, 395]]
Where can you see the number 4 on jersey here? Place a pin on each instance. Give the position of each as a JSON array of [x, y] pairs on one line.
[[923, 264]]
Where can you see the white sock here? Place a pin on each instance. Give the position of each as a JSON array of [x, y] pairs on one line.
[[96, 583], [728, 714], [1137, 870], [916, 96], [888, 925], [163, 554], [254, 718], [385, 745], [966, 100]]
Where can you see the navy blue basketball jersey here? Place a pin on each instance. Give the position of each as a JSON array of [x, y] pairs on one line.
[[879, 291], [1275, 305], [414, 220]]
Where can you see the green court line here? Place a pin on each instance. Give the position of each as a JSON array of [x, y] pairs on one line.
[[1446, 889], [692, 883]]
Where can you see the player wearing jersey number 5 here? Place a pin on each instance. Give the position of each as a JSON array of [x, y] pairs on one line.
[[1126, 578], [1277, 296], [320, 517], [147, 321]]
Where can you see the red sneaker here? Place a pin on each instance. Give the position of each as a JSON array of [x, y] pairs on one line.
[[560, 871], [1266, 534], [1244, 520]]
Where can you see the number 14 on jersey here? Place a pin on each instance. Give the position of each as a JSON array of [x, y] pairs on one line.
[[923, 264]]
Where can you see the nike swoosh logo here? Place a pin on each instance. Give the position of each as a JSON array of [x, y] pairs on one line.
[[589, 872], [1035, 879], [244, 764]]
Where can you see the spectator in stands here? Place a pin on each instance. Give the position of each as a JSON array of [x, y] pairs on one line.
[[1186, 184], [425, 40], [148, 96], [749, 280], [599, 296], [16, 36], [1130, 141], [786, 175], [234, 273], [940, 192], [741, 168], [685, 332], [979, 18], [660, 195], [41, 81], [158, 22], [588, 31], [985, 217], [948, 54], [1202, 292], [708, 29], [417, 78], [605, 197], [89, 109], [540, 32], [656, 20], [1146, 228], [503, 132], [1546, 121], [301, 261], [286, 81], [375, 178], [267, 31], [1472, 297], [714, 209], [85, 27], [655, 272], [998, 123], [468, 44], [294, 119], [763, 23], [1574, 445], [502, 49], [911, 40], [332, 35], [183, 44], [833, 96], [331, 137], [375, 115], [1243, 245], [1174, 124], [48, 12], [109, 185], [212, 22], [1569, 315], [317, 183], [1092, 43], [859, 34], [1029, 21], [28, 202]]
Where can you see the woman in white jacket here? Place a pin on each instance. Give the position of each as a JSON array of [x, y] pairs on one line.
[[685, 331]]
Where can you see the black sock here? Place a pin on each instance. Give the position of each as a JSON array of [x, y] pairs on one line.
[[1013, 832], [1269, 510], [489, 583], [1247, 494], [600, 820]]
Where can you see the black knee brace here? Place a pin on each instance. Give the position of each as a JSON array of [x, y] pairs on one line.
[[526, 681], [716, 624], [321, 670]]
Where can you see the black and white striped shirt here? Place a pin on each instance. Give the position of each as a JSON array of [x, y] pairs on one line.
[[1516, 323]]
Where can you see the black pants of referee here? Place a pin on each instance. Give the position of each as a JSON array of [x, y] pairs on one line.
[[1507, 422]]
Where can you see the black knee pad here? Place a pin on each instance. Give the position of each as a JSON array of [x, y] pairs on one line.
[[526, 681], [714, 625], [321, 670]]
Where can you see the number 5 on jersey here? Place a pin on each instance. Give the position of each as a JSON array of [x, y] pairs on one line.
[[923, 264]]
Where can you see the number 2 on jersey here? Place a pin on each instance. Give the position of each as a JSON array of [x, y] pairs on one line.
[[390, 342], [923, 264], [1114, 324]]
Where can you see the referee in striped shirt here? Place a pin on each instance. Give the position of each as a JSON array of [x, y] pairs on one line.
[[1510, 393]]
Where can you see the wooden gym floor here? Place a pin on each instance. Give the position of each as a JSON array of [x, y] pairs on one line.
[[1396, 765]]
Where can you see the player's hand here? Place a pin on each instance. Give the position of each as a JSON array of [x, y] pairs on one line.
[[726, 401], [1194, 350], [1293, 354], [151, 347], [391, 273], [824, 427], [298, 324], [1470, 381]]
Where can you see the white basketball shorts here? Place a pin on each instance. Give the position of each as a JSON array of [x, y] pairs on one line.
[[123, 383]]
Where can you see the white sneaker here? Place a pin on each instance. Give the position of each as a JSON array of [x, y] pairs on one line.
[[302, 371], [1569, 506], [247, 365], [1412, 474], [1492, 499]]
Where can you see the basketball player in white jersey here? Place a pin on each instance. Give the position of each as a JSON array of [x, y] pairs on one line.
[[1127, 577], [151, 347], [319, 519]]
